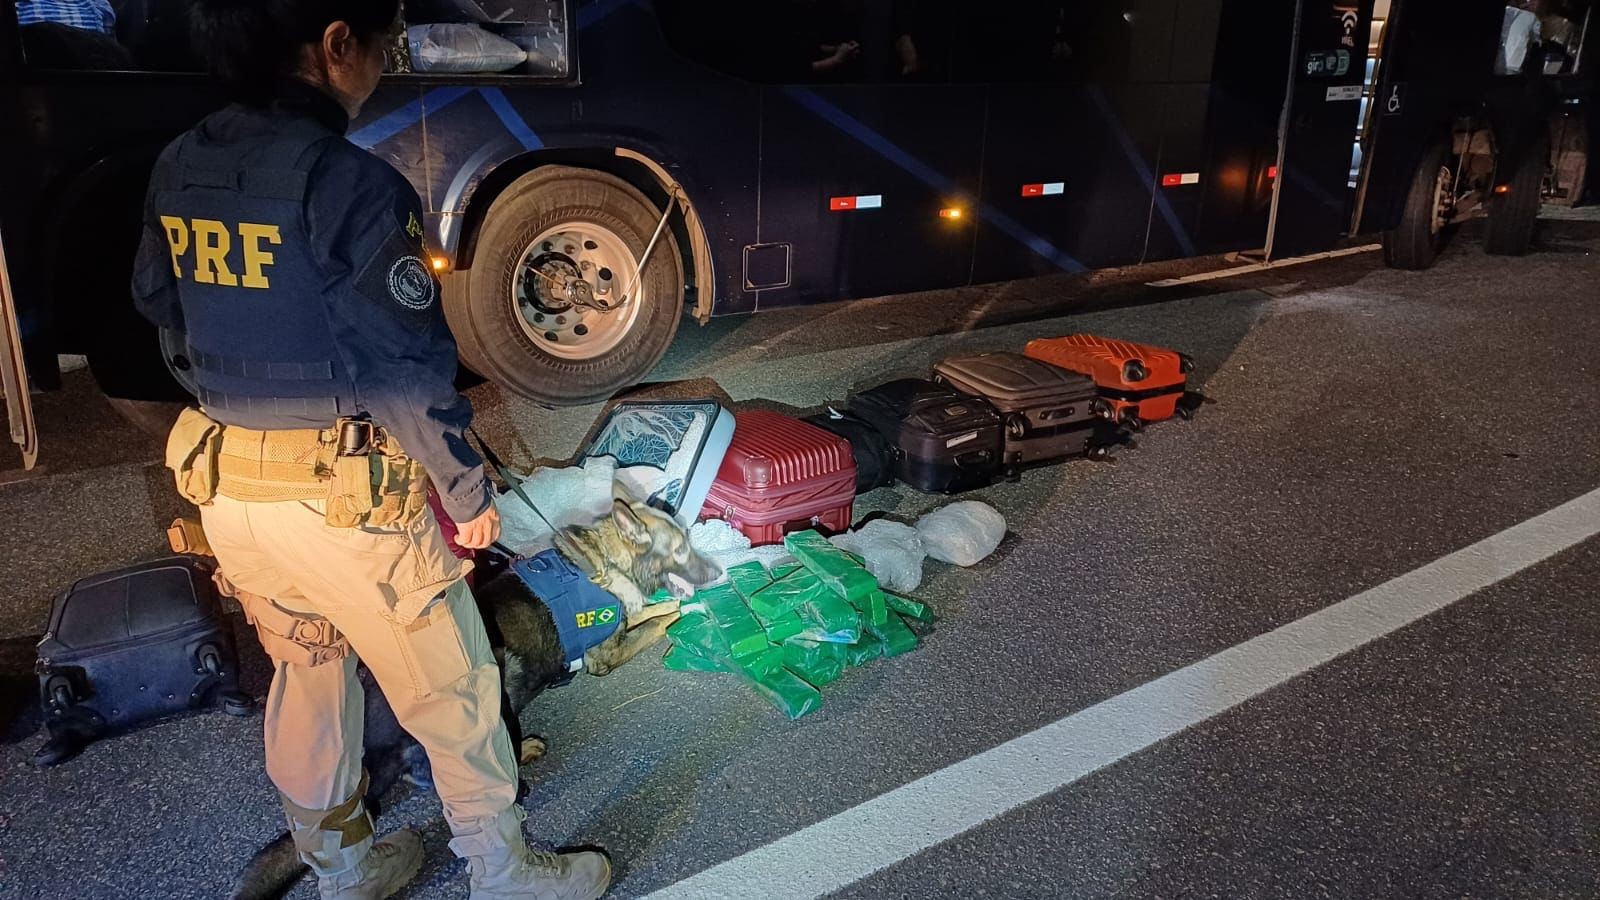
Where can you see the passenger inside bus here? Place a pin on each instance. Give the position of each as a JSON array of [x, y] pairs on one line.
[[71, 34]]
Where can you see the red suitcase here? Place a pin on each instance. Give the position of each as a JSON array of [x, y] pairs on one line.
[[1140, 383], [781, 475]]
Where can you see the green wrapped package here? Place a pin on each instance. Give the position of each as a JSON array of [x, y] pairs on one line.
[[763, 664], [743, 634], [786, 691], [695, 631], [818, 662], [874, 609], [785, 570], [895, 635], [784, 627], [788, 594], [660, 596], [836, 568], [682, 659], [747, 578], [863, 651], [909, 608], [830, 619]]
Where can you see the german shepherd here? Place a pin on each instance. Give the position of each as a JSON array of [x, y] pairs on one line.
[[633, 553]]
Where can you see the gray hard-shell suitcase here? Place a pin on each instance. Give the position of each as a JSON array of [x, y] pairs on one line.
[[132, 645], [1049, 413]]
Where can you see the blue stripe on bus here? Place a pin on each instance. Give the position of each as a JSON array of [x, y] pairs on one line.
[[1136, 160], [512, 119], [924, 173], [387, 126]]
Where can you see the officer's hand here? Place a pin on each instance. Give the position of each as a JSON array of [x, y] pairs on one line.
[[480, 532]]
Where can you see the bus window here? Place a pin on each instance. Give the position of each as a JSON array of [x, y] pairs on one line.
[[484, 37], [909, 41], [119, 35], [1542, 37]]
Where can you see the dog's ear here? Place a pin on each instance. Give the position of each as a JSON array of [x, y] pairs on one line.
[[629, 525]]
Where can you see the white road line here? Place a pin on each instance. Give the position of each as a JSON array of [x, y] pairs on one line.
[[845, 848], [1262, 266]]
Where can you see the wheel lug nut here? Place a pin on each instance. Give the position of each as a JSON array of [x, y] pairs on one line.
[[605, 272], [580, 330], [590, 245], [551, 337], [561, 320], [538, 317]]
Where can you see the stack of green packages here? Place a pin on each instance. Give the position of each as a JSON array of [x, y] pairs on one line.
[[791, 630]]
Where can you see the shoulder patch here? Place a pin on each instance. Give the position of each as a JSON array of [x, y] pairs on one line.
[[410, 283]]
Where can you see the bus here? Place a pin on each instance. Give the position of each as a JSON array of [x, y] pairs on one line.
[[596, 171]]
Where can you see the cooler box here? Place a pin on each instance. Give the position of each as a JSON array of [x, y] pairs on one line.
[[781, 475]]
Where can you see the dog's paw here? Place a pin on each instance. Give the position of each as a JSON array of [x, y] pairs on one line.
[[532, 748]]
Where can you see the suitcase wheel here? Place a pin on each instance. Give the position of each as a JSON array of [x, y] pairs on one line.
[[1133, 422], [1134, 370], [237, 703], [1185, 363], [1102, 409], [60, 691], [1185, 413], [210, 659], [1016, 426]]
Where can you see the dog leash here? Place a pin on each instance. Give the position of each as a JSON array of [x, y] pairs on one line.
[[511, 481]]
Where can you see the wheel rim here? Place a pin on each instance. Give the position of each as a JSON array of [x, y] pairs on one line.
[[1443, 200], [546, 276]]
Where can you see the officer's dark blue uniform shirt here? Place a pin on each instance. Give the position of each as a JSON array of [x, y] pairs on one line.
[[292, 261]]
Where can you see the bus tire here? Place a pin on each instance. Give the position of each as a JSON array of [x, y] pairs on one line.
[[1512, 215], [515, 329], [1415, 242]]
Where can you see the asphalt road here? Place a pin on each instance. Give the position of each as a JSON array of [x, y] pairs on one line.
[[1367, 423]]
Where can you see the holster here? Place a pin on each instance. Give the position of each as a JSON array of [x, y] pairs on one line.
[[297, 638], [192, 449]]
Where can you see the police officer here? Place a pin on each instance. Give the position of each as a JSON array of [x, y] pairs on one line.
[[291, 262]]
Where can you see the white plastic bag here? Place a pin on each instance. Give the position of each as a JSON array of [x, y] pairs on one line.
[[461, 47], [893, 552], [962, 533], [727, 546], [574, 495]]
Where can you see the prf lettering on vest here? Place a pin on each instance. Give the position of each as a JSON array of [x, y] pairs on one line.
[[212, 241]]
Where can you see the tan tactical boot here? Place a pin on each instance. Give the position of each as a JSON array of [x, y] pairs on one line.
[[388, 866], [504, 867], [337, 844]]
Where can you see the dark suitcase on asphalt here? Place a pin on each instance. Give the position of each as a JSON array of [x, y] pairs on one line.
[[1049, 413], [132, 645], [874, 452], [945, 441]]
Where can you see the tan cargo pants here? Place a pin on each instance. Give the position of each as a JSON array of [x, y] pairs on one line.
[[398, 597]]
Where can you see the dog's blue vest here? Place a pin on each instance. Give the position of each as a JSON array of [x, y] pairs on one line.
[[585, 613]]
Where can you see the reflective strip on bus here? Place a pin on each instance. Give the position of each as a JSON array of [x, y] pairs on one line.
[[860, 201], [1046, 189], [1176, 178]]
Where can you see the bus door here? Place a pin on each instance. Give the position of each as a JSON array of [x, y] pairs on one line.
[[1316, 169]]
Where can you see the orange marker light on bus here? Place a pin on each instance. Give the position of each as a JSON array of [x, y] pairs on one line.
[[439, 263], [950, 212], [1502, 189]]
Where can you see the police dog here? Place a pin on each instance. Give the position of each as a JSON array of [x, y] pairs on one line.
[[633, 552]]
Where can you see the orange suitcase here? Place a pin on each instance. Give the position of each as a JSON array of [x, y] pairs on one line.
[[1140, 383]]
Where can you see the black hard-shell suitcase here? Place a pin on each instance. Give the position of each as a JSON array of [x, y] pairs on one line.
[[1049, 413], [873, 451], [132, 645], [945, 441]]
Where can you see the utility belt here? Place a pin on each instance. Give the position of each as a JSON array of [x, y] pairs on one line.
[[356, 467]]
